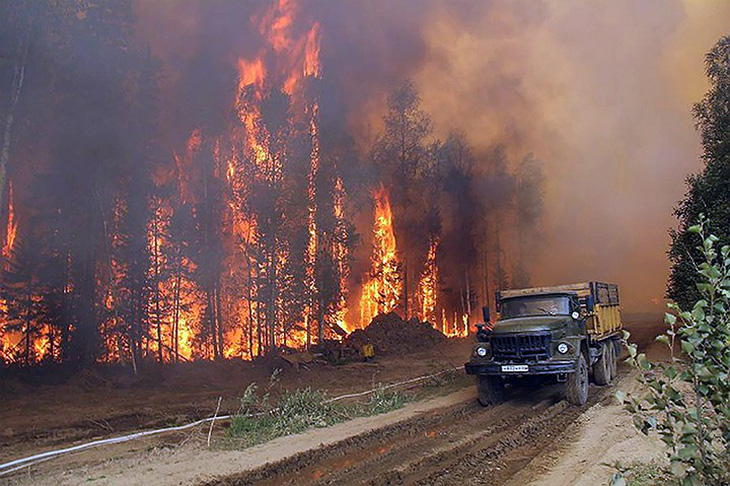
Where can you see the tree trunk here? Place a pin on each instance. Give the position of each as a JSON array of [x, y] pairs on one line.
[[405, 289], [16, 90], [210, 311], [28, 319], [176, 317], [250, 320], [219, 318], [158, 318]]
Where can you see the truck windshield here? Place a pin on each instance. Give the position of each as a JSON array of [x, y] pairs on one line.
[[551, 305]]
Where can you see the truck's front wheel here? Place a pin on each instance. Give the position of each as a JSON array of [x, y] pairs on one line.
[[490, 390], [576, 388]]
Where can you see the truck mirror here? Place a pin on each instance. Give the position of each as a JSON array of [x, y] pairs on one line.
[[485, 314], [483, 333]]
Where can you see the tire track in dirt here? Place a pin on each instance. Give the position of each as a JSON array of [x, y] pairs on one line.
[[463, 444]]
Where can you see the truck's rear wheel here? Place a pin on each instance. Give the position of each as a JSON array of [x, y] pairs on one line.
[[576, 388], [615, 355], [490, 390], [602, 367]]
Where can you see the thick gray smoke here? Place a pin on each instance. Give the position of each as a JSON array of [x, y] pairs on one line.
[[600, 91]]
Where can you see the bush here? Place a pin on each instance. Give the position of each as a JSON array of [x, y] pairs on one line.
[[688, 399], [258, 420], [383, 401], [295, 412]]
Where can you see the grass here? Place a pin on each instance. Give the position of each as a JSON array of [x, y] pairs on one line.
[[295, 412], [300, 410], [261, 419]]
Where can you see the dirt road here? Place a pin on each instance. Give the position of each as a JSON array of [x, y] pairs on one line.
[[533, 437], [461, 443]]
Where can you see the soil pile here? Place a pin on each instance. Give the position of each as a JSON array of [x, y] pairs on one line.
[[390, 334]]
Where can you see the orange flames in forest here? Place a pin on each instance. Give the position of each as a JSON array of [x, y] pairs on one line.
[[427, 292], [250, 300], [11, 229], [382, 291]]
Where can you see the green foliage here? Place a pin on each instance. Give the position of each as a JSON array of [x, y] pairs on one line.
[[382, 401], [688, 399], [708, 192], [300, 410], [295, 412]]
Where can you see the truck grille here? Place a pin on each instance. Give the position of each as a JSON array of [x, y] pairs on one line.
[[521, 347]]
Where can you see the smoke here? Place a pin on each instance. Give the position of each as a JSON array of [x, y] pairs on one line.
[[601, 92]]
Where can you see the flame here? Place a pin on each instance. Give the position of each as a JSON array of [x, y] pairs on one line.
[[246, 153], [11, 228], [341, 253], [381, 292], [251, 73], [427, 292], [311, 53], [311, 257], [276, 25]]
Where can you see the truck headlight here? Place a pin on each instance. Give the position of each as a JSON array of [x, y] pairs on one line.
[[563, 348], [482, 352]]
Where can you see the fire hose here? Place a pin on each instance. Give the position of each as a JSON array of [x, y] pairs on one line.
[[17, 464]]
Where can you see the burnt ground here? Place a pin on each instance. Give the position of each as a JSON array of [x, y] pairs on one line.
[[440, 446], [107, 403]]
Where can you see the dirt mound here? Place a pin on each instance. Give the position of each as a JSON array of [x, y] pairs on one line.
[[390, 334]]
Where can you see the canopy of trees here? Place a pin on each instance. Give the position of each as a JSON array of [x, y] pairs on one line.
[[709, 190]]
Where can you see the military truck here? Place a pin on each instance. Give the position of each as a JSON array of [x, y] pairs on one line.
[[566, 334]]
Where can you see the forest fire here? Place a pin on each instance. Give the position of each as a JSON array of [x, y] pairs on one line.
[[11, 228], [382, 291], [242, 242], [427, 293]]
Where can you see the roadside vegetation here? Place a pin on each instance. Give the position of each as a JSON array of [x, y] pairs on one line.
[[688, 399], [262, 418], [708, 191]]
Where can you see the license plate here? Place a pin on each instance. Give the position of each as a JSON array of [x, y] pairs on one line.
[[515, 368]]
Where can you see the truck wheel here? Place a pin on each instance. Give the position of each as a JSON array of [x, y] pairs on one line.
[[602, 367], [576, 388], [490, 390], [613, 366]]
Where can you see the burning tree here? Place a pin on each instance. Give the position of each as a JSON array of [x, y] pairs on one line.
[[382, 291], [131, 236]]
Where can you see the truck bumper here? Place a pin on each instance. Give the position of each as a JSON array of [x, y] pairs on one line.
[[548, 368]]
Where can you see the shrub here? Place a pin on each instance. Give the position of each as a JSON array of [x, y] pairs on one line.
[[688, 399]]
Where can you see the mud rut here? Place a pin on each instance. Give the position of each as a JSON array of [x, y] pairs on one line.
[[463, 444]]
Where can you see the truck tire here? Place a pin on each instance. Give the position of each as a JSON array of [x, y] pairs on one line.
[[613, 345], [576, 388], [490, 390], [602, 367]]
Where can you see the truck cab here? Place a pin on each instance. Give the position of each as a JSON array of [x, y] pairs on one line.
[[566, 334]]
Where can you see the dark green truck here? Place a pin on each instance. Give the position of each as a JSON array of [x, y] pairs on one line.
[[567, 333]]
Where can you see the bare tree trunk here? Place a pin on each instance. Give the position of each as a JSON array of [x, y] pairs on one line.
[[28, 318], [176, 317], [16, 90], [405, 291], [250, 320], [219, 318], [273, 275], [210, 311], [158, 317]]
